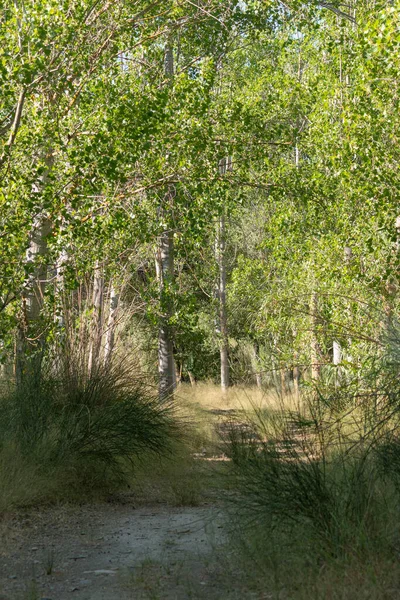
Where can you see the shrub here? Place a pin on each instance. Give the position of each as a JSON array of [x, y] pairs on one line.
[[86, 427], [312, 469]]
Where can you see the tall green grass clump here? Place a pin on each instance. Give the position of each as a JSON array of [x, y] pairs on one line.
[[293, 476], [74, 432], [316, 489]]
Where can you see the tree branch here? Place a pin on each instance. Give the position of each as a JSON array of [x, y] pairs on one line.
[[15, 126]]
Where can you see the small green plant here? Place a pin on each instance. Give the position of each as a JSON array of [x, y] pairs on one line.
[[32, 592], [49, 561]]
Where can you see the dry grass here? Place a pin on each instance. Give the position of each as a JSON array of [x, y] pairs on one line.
[[179, 481], [194, 474], [284, 573], [22, 483], [316, 517], [74, 436], [209, 397], [282, 568]]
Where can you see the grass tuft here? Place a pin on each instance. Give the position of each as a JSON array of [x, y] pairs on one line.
[[75, 434]]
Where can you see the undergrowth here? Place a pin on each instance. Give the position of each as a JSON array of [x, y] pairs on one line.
[[190, 476], [74, 435], [314, 490]]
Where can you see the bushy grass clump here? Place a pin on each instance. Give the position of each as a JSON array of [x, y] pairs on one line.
[[78, 433], [338, 495], [315, 490]]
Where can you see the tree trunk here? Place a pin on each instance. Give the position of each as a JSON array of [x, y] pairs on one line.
[[296, 381], [178, 374], [59, 288], [111, 325], [315, 349], [96, 332], [337, 353], [192, 379], [225, 165], [30, 335], [222, 327], [336, 346], [256, 366], [283, 382], [165, 276]]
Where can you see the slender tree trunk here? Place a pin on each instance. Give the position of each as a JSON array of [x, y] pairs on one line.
[[337, 347], [283, 382], [30, 335], [225, 165], [315, 350], [189, 369], [337, 353], [337, 359], [59, 288], [165, 273], [165, 276], [259, 380], [221, 292], [111, 325], [296, 369], [256, 365], [96, 332], [192, 379], [178, 374], [296, 381]]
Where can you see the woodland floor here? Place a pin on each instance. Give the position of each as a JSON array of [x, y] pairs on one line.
[[130, 548], [113, 551]]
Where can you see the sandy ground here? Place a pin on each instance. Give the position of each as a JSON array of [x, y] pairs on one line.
[[115, 552]]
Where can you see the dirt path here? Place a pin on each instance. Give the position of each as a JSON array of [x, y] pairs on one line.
[[115, 552]]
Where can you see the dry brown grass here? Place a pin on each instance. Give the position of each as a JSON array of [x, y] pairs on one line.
[[210, 397], [192, 475]]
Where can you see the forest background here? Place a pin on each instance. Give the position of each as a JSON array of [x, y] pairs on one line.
[[201, 193], [222, 178]]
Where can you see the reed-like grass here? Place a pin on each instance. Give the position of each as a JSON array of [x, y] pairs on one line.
[[77, 434]]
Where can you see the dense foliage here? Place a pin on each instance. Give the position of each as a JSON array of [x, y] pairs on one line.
[[115, 121]]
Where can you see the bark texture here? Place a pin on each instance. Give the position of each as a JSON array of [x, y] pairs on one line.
[[165, 276], [222, 323], [96, 332], [315, 349], [111, 325], [337, 353], [224, 353], [296, 381], [30, 335], [256, 365]]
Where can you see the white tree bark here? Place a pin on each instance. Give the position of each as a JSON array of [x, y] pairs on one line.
[[222, 328], [315, 349], [296, 381], [256, 365], [30, 343], [337, 353], [96, 332], [337, 347], [283, 382], [165, 276], [111, 325], [60, 288], [222, 307]]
